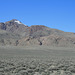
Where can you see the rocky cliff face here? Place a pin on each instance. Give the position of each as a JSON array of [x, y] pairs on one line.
[[15, 33]]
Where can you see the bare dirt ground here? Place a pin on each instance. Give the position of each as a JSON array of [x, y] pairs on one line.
[[38, 60]]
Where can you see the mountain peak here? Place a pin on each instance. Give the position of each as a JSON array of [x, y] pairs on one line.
[[15, 21], [34, 35]]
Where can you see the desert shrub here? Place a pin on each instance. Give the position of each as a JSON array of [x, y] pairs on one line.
[[32, 67]]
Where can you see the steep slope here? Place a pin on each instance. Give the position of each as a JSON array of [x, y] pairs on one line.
[[8, 38], [16, 33]]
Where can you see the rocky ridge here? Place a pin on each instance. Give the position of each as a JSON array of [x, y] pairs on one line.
[[17, 34]]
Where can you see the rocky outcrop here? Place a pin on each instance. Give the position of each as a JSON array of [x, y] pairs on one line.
[[2, 26]]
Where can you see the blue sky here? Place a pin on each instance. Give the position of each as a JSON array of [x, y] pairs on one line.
[[59, 14]]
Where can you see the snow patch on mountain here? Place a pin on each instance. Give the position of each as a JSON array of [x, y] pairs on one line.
[[18, 22]]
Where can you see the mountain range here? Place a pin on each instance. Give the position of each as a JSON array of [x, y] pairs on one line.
[[15, 33]]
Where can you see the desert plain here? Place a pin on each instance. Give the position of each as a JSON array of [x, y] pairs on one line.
[[37, 60]]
